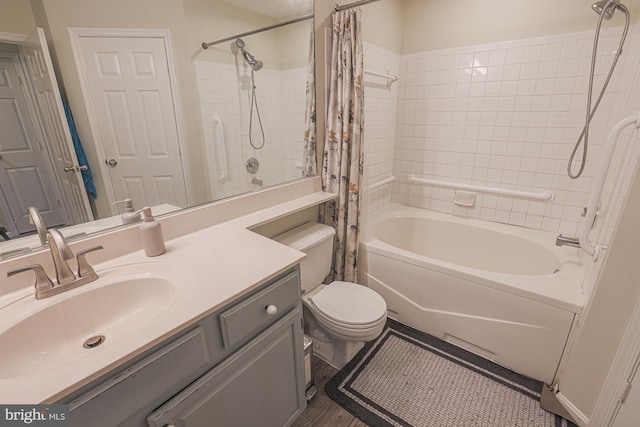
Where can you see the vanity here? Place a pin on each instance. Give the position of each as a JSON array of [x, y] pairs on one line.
[[241, 365], [209, 333]]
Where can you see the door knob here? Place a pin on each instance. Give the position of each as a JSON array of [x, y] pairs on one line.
[[111, 162]]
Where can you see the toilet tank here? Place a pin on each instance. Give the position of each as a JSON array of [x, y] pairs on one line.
[[315, 240]]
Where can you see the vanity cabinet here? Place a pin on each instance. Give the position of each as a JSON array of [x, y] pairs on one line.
[[254, 387], [242, 365]]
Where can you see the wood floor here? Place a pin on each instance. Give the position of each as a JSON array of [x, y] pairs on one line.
[[321, 411]]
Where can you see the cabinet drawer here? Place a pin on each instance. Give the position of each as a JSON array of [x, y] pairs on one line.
[[178, 363], [257, 312]]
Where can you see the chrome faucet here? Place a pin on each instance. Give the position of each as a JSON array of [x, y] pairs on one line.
[[561, 240], [36, 219], [66, 279]]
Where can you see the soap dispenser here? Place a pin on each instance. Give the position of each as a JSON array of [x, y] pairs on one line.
[[151, 233], [129, 215]]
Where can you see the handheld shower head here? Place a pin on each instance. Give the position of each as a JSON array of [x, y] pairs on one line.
[[248, 58], [605, 8], [252, 61]]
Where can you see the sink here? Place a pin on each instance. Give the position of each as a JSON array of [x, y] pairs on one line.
[[48, 332]]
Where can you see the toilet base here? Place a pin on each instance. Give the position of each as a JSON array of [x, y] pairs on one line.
[[336, 353]]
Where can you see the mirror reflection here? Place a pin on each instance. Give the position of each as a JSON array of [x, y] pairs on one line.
[[113, 106]]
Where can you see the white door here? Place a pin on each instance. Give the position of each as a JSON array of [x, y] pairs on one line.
[[35, 52], [24, 178], [131, 96]]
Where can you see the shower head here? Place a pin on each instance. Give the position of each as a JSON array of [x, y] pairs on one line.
[[248, 58], [605, 8], [252, 61]]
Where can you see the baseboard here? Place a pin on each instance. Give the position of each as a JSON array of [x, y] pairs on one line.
[[576, 414]]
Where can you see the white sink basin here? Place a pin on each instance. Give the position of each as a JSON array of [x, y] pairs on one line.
[[52, 331]]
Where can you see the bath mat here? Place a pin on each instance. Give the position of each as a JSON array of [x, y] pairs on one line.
[[408, 378]]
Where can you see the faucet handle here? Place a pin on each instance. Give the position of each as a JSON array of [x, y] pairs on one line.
[[43, 282], [84, 269]]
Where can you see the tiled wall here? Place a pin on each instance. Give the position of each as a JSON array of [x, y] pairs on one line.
[[381, 104], [500, 115], [293, 85], [225, 90]]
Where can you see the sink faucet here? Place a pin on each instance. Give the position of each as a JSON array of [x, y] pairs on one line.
[[66, 279], [36, 219], [60, 252]]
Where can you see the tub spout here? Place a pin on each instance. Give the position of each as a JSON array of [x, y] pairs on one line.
[[561, 240]]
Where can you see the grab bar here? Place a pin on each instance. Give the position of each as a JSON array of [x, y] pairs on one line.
[[382, 182], [545, 196], [390, 77], [586, 244], [220, 145]]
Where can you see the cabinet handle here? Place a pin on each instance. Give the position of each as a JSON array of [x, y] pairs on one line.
[[272, 309]]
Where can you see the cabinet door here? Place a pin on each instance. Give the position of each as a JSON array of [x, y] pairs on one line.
[[260, 385]]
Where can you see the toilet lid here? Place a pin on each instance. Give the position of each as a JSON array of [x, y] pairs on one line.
[[349, 303]]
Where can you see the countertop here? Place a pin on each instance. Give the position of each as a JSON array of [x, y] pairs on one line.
[[218, 265]]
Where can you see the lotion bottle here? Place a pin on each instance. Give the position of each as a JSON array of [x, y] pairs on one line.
[[151, 233]]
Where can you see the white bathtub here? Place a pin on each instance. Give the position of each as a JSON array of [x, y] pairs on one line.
[[503, 292]]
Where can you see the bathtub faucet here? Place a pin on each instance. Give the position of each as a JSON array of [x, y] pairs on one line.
[[561, 240]]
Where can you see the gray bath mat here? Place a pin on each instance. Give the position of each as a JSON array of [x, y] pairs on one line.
[[408, 378]]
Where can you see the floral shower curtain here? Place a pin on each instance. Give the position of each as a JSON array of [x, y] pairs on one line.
[[309, 161], [343, 155]]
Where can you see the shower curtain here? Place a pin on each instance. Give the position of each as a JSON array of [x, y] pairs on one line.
[[343, 155], [309, 161]]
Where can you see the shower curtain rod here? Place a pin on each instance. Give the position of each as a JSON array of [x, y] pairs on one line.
[[259, 30], [338, 8]]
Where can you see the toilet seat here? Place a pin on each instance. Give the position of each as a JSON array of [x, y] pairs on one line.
[[349, 306]]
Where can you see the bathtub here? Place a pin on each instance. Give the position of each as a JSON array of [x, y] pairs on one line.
[[503, 292]]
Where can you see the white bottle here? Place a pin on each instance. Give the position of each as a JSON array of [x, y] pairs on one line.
[[151, 233], [129, 215]]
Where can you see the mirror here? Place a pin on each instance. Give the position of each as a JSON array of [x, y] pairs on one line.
[[236, 116]]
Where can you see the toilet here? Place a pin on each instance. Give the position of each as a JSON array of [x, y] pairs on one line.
[[341, 316]]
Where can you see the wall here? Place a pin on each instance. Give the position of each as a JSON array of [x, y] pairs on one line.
[[382, 46], [292, 40], [506, 115], [380, 23], [16, 17], [430, 25]]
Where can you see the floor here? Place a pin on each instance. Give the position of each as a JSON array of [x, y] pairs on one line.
[[321, 411]]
